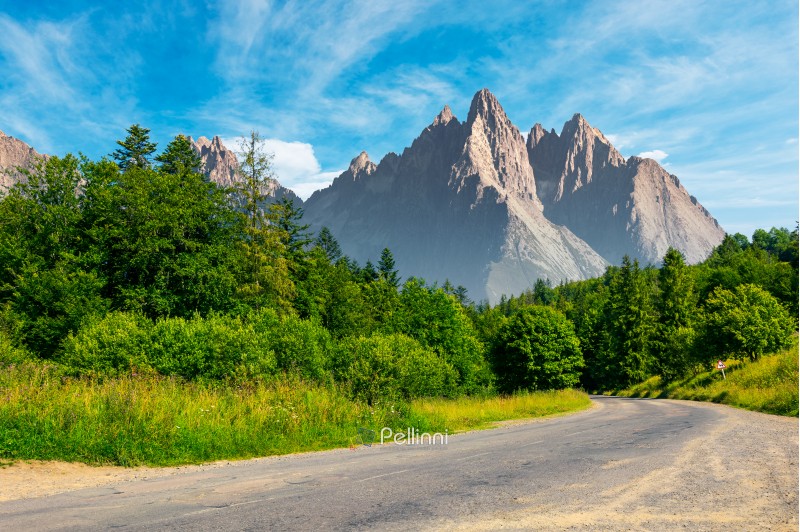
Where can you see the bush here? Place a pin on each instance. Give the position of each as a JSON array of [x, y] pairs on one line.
[[10, 354], [537, 350], [438, 322], [112, 345], [214, 348], [745, 323], [300, 346], [384, 368], [50, 304]]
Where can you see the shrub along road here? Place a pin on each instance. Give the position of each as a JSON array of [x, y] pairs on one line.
[[628, 463]]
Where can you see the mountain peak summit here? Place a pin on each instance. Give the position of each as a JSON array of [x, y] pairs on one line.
[[360, 163], [485, 105], [444, 117]]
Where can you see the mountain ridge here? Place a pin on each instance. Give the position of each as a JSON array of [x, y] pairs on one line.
[[558, 206], [479, 204]]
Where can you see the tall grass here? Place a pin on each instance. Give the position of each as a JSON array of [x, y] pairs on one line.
[[153, 420], [164, 421], [480, 412], [769, 385]]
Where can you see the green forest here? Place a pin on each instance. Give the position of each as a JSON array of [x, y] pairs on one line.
[[148, 315], [136, 266]]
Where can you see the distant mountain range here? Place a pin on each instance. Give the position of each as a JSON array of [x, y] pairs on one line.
[[477, 204]]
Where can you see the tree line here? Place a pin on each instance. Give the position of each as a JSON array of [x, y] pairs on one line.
[[635, 322], [137, 263]]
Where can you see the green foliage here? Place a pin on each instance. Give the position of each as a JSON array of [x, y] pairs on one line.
[[537, 350], [9, 354], [674, 334], [52, 303], [584, 304], [386, 269], [287, 218], [162, 241], [630, 321], [117, 344], [136, 150], [382, 369], [179, 157], [440, 323], [329, 245], [264, 280], [769, 385], [745, 323], [255, 170], [214, 348], [770, 262], [300, 346]]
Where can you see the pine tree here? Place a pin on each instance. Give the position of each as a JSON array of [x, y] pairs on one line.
[[368, 273], [287, 219], [326, 241], [386, 269], [136, 150], [179, 157], [675, 307], [629, 322], [255, 169], [268, 282]]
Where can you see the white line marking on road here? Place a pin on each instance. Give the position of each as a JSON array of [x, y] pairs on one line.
[[384, 475], [529, 444]]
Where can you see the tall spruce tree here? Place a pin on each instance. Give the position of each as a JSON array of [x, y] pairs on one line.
[[629, 316], [328, 244], [179, 157], [675, 307], [386, 269], [136, 150], [267, 281]]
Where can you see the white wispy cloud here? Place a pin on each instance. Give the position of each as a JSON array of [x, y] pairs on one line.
[[658, 155], [294, 165], [57, 82]]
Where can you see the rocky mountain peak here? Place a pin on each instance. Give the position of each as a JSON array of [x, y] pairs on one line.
[[485, 105], [221, 166], [14, 154], [619, 207], [361, 164], [536, 134], [444, 117], [495, 151]]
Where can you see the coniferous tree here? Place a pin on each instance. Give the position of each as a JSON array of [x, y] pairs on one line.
[[255, 170], [267, 280], [328, 243], [675, 307], [627, 359], [369, 273], [179, 157], [543, 293], [288, 218], [386, 269], [460, 293], [136, 150]]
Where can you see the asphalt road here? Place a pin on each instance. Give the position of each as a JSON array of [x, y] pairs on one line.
[[625, 464]]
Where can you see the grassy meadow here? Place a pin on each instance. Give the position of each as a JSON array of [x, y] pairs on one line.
[[162, 421], [768, 385]]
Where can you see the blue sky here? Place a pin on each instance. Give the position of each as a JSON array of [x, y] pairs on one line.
[[708, 88]]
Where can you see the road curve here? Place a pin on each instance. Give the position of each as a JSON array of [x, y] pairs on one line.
[[625, 464]]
